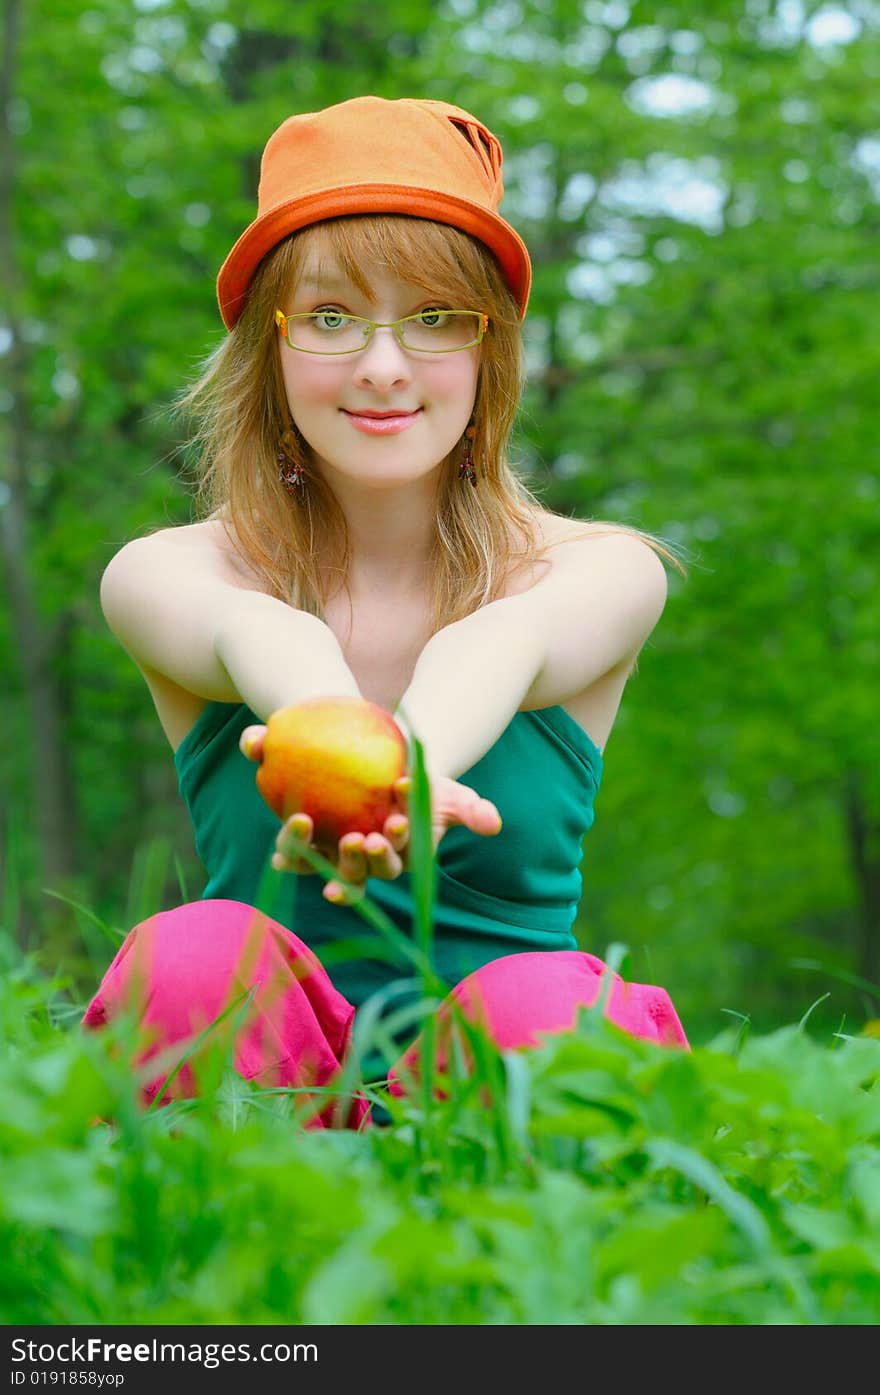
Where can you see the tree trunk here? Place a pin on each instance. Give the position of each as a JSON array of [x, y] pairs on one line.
[[52, 816], [864, 848]]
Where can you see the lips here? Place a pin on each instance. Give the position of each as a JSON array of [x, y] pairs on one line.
[[382, 423], [382, 416]]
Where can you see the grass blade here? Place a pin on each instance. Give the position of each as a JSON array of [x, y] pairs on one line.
[[113, 935]]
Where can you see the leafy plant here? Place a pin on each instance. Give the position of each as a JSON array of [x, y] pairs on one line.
[[593, 1179]]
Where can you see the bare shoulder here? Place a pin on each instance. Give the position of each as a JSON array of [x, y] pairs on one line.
[[576, 547], [556, 529], [164, 595], [621, 570], [549, 530], [212, 541], [553, 530], [594, 609]]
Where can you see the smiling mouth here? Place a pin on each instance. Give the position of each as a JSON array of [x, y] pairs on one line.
[[381, 416], [381, 423]]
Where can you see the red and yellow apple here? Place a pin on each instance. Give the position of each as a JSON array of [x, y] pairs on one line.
[[335, 759]]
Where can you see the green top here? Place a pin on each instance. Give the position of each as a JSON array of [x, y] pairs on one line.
[[516, 891]]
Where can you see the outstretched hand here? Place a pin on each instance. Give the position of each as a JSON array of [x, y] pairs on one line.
[[383, 855]]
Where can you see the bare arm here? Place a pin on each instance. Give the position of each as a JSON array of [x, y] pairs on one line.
[[175, 608], [468, 682], [276, 655], [594, 611]]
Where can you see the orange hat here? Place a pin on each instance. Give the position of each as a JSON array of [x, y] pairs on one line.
[[370, 155]]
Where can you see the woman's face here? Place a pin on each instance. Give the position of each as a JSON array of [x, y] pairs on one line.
[[335, 401]]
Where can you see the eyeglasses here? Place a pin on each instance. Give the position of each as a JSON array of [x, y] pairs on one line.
[[433, 331]]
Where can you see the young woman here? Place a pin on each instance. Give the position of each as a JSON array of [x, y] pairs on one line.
[[363, 534]]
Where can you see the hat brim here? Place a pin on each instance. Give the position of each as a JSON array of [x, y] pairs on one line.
[[269, 229]]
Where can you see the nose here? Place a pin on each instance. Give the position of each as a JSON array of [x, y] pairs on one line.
[[384, 363]]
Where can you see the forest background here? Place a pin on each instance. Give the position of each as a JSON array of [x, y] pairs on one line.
[[700, 191]]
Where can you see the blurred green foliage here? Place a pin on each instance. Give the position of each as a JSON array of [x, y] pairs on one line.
[[596, 1179], [699, 189]]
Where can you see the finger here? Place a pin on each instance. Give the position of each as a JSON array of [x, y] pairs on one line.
[[297, 829], [342, 895], [352, 858], [396, 830], [384, 862], [402, 790], [294, 836], [491, 820], [250, 743], [482, 817]]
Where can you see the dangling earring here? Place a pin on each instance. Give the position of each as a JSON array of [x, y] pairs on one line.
[[292, 470], [466, 470]]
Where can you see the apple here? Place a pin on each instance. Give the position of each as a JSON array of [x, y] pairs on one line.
[[335, 759]]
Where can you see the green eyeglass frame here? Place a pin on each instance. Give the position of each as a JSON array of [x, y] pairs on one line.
[[282, 321]]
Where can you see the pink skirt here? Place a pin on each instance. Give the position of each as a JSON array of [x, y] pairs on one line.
[[181, 970]]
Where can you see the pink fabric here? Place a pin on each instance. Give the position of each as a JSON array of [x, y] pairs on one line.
[[179, 970], [182, 968], [521, 996]]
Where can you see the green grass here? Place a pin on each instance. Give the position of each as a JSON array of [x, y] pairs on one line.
[[595, 1179]]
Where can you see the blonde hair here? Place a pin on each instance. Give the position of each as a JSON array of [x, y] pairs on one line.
[[241, 411]]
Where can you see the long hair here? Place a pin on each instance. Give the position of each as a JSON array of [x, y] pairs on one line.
[[241, 412]]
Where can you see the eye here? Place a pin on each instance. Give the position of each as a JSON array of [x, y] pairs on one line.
[[433, 318], [330, 319]]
